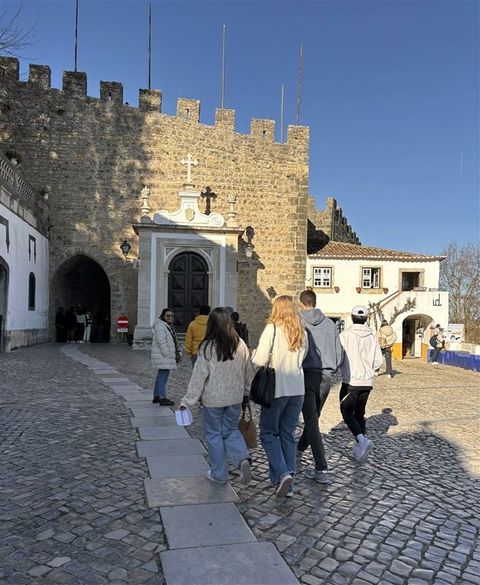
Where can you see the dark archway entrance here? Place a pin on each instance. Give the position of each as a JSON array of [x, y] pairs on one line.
[[82, 281], [3, 301], [187, 287]]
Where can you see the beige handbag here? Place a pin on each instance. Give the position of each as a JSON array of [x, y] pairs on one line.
[[248, 428]]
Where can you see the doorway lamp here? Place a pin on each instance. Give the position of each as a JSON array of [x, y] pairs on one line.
[[125, 247]]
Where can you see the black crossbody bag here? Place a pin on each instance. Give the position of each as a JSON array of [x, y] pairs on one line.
[[262, 390]]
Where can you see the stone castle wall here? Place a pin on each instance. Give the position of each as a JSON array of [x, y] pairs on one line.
[[331, 221], [94, 154]]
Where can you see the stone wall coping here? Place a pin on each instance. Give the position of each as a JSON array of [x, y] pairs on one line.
[[20, 190], [155, 227]]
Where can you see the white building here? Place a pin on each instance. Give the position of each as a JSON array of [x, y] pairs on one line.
[[344, 275], [23, 261]]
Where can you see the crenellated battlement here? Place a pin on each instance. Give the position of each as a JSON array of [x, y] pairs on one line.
[[74, 86], [331, 222]]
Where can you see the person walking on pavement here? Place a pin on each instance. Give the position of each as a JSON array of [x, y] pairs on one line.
[[387, 338], [221, 381], [285, 339], [324, 357], [165, 355], [362, 357], [196, 333]]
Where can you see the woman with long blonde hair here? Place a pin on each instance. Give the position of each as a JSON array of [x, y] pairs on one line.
[[285, 338]]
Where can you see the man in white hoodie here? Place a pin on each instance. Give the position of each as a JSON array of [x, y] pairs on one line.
[[362, 357]]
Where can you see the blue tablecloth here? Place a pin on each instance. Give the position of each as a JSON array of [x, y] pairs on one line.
[[461, 359]]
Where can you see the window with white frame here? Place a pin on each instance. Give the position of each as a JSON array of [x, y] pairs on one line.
[[322, 277], [370, 277]]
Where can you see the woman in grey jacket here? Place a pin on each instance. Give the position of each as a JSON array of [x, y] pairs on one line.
[[165, 355]]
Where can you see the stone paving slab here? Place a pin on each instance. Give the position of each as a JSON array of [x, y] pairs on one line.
[[141, 401], [152, 410], [154, 421], [149, 433], [256, 563], [170, 446], [176, 465], [187, 490], [204, 525]]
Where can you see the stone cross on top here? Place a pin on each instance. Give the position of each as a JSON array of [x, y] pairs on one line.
[[189, 161]]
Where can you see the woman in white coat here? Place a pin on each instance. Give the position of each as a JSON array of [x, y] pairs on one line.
[[165, 355], [286, 338]]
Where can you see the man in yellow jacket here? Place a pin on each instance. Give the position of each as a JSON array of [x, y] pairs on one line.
[[196, 333]]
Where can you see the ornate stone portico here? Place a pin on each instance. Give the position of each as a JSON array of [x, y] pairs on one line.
[[187, 258]]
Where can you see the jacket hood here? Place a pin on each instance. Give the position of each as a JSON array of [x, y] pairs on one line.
[[202, 319], [157, 321], [313, 316], [361, 330]]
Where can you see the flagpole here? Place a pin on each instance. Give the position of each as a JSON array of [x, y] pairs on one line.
[[149, 45], [222, 99], [76, 34], [299, 84], [282, 111]]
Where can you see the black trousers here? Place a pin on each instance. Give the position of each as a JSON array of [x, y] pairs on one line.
[[353, 400], [317, 388]]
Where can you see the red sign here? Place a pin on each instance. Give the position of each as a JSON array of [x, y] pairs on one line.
[[122, 324]]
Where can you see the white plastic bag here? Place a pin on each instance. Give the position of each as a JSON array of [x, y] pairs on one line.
[[184, 417]]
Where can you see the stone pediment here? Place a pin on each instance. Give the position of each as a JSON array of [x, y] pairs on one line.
[[189, 214]]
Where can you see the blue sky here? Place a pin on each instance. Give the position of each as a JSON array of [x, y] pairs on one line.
[[390, 91]]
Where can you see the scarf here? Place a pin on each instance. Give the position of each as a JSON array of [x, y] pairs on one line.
[[178, 353]]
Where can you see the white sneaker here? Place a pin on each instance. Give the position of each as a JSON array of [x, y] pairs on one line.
[[389, 376], [284, 486], [211, 478], [364, 449], [245, 472], [376, 373], [354, 453], [317, 475], [434, 363]]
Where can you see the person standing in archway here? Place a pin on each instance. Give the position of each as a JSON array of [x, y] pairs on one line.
[[196, 333], [61, 332], [165, 355], [71, 324]]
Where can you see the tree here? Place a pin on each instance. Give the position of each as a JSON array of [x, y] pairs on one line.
[[460, 276], [376, 312], [12, 37]]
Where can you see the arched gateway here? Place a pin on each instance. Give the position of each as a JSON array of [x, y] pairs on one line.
[[82, 281]]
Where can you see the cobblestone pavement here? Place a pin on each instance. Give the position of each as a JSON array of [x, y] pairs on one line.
[[408, 516], [72, 506]]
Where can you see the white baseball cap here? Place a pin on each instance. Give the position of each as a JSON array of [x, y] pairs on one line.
[[360, 311]]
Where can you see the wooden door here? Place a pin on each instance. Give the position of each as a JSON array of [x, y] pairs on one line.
[[187, 287]]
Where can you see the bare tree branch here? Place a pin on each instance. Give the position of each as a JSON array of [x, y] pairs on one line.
[[13, 38]]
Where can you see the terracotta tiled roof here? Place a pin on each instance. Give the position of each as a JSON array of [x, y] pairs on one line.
[[352, 251]]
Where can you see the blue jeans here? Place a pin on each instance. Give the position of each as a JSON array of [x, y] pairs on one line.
[[223, 438], [160, 388], [277, 435]]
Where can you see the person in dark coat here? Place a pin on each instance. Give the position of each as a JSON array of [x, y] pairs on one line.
[[60, 329]]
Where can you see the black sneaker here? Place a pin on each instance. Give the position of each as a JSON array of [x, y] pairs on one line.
[[156, 399], [166, 402]]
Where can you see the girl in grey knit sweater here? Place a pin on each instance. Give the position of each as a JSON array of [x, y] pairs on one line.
[[220, 382]]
